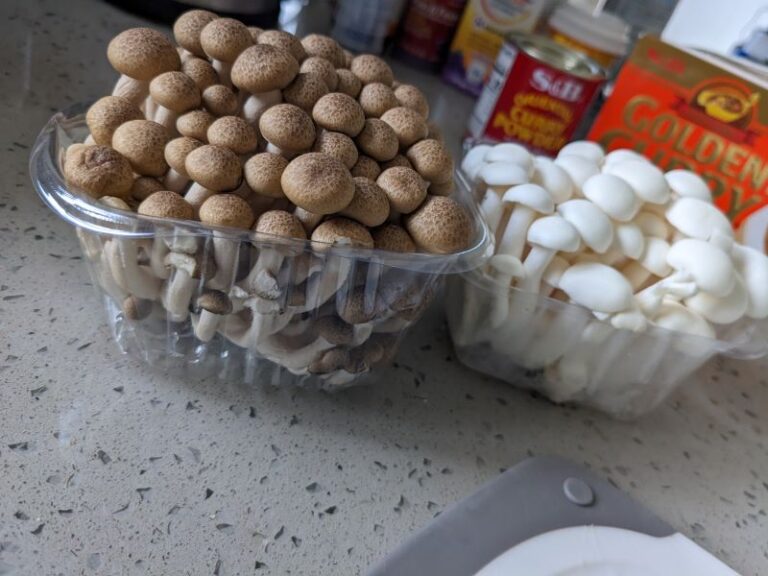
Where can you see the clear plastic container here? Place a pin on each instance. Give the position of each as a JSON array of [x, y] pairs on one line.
[[295, 324], [562, 351]]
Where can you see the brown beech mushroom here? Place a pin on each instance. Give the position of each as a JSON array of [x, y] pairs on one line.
[[285, 41], [262, 71], [195, 124], [404, 187], [201, 72], [287, 129], [225, 211], [263, 172], [106, 114], [143, 186], [142, 142], [211, 305], [369, 69], [214, 169], [411, 97], [341, 232], [234, 133], [99, 171], [393, 238], [337, 145], [175, 93], [324, 47], [408, 125], [140, 54], [335, 330], [114, 202], [398, 160], [220, 100], [431, 159], [366, 167], [376, 99], [136, 309], [222, 40], [323, 69], [176, 152], [305, 90], [348, 83], [377, 140], [187, 29], [339, 113], [308, 219], [440, 225], [370, 205], [318, 183], [166, 204]]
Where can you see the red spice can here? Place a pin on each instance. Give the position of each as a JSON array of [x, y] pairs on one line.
[[427, 30], [538, 94]]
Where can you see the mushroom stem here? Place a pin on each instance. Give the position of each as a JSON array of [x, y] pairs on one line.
[[105, 278], [122, 256], [537, 261], [678, 286], [262, 279], [505, 269], [491, 208], [284, 153], [225, 252], [256, 104], [157, 258], [180, 285], [167, 118], [174, 181], [512, 241], [297, 360], [223, 69], [206, 325], [131, 89], [196, 196]]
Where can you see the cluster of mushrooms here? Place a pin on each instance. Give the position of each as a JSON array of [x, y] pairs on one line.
[[292, 139], [635, 246]]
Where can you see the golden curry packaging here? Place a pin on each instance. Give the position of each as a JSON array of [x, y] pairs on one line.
[[690, 110]]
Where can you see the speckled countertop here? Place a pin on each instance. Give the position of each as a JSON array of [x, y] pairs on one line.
[[110, 468]]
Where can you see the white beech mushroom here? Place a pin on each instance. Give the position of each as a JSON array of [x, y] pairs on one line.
[[175, 93], [499, 176], [646, 180], [652, 262], [687, 184], [474, 160], [223, 40], [262, 71], [584, 148], [697, 218], [511, 152], [552, 178], [213, 169], [674, 316], [211, 305], [593, 225], [547, 236], [522, 203], [230, 211], [176, 152], [288, 129], [612, 195], [725, 309], [579, 169]]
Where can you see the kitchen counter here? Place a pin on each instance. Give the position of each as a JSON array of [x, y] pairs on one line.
[[109, 467]]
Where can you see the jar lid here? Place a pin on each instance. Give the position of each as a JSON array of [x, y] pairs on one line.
[[604, 32]]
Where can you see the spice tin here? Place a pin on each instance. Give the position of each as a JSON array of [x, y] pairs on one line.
[[537, 95]]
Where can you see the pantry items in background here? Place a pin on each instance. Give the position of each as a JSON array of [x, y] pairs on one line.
[[365, 26], [426, 31]]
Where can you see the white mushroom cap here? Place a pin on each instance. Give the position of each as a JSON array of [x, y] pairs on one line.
[[698, 218], [532, 196], [723, 310], [597, 287], [630, 240], [510, 152], [613, 195], [589, 150], [474, 160], [620, 156], [578, 168], [685, 183], [646, 180], [654, 258], [676, 317], [552, 177], [593, 225], [554, 233], [652, 225], [503, 174], [753, 267], [710, 267]]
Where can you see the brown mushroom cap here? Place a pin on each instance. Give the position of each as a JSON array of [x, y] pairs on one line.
[[338, 145], [324, 47], [142, 142], [377, 140], [220, 100], [177, 150], [404, 187], [99, 171], [279, 223], [348, 83], [224, 39], [370, 205], [339, 113], [136, 308], [142, 53], [409, 125], [106, 114], [398, 160], [366, 167], [234, 133], [341, 231], [201, 71], [335, 330], [187, 28], [329, 361], [166, 204], [144, 186], [215, 168], [285, 41], [370, 68], [288, 127], [214, 301], [440, 225], [376, 99], [431, 159], [305, 90], [175, 90], [308, 219], [393, 238], [263, 68], [263, 172], [195, 124], [411, 97], [358, 307], [323, 68], [318, 183], [226, 210]]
